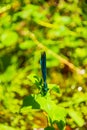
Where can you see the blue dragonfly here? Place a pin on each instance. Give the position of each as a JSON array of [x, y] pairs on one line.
[[43, 69]]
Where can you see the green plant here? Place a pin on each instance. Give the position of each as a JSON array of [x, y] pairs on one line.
[[55, 114], [28, 27]]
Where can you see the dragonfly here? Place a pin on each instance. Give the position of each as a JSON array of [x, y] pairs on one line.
[[44, 72]]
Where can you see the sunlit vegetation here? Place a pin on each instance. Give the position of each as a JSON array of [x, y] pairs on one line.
[[28, 28]]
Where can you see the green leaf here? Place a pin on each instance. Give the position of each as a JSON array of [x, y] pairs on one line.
[[9, 74], [26, 44], [54, 87], [54, 111], [45, 103], [29, 101], [81, 52], [9, 38], [32, 77], [61, 20], [76, 116], [59, 32]]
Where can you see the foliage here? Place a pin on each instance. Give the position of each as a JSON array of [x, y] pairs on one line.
[[26, 29], [44, 102]]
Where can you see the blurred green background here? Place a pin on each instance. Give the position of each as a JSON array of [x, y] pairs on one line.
[[26, 29]]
